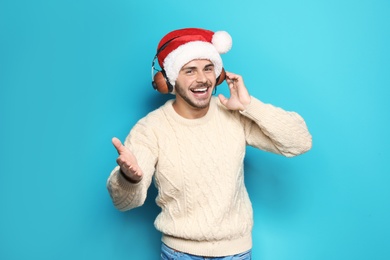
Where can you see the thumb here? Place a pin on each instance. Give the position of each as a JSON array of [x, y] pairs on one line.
[[118, 145], [223, 99]]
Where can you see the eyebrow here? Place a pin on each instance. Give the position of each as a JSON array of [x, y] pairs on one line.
[[195, 67]]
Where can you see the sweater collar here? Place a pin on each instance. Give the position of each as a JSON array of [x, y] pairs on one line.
[[170, 111]]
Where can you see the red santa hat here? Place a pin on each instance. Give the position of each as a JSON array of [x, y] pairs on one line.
[[179, 47]]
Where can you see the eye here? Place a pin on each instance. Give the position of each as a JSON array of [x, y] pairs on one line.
[[189, 71], [209, 68]]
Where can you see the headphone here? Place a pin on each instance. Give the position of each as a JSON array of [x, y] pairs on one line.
[[160, 80]]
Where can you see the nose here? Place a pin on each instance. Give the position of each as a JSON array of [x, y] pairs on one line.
[[201, 77]]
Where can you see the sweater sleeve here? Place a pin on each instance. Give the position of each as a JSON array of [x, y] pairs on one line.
[[275, 130], [124, 194]]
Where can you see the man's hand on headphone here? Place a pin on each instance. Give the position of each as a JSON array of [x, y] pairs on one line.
[[127, 162], [239, 96]]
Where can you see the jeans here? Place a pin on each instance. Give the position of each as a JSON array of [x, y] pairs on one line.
[[168, 253]]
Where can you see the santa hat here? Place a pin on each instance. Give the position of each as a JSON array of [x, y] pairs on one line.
[[179, 47]]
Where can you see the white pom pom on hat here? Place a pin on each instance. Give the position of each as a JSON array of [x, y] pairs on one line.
[[179, 47], [222, 41]]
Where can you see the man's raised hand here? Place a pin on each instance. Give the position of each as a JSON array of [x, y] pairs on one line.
[[239, 96], [127, 162]]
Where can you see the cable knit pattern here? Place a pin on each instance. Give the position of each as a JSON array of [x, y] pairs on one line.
[[197, 165]]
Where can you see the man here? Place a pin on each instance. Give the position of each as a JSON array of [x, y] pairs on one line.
[[193, 148]]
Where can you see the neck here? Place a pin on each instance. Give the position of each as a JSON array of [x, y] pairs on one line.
[[187, 111]]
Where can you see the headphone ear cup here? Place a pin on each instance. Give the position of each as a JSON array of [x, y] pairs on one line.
[[169, 85], [221, 77], [161, 83]]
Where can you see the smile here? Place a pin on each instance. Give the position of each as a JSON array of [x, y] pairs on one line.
[[200, 90]]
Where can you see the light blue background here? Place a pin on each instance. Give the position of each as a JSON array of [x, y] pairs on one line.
[[75, 73]]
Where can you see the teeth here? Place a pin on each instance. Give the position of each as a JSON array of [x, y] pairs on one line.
[[199, 90]]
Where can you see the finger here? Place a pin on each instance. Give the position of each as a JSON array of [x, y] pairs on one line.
[[121, 161], [223, 99], [229, 74], [125, 167], [230, 83], [118, 145], [232, 76]]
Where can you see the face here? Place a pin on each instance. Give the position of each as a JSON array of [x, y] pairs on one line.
[[194, 85]]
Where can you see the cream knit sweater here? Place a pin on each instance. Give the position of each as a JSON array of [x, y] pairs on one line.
[[197, 166]]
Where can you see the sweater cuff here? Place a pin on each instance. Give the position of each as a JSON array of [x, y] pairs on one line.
[[124, 182], [128, 178], [254, 105]]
